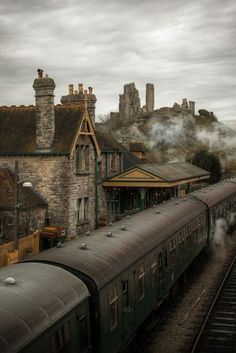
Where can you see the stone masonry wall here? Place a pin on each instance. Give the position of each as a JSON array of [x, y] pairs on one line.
[[56, 180], [81, 185]]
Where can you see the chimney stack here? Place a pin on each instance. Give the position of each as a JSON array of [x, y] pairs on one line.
[[45, 117], [80, 88], [71, 89]]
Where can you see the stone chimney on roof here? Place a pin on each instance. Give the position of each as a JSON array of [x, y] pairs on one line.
[[83, 98], [45, 116]]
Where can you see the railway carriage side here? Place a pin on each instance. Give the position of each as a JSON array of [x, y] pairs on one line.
[[220, 200], [132, 266], [43, 309], [127, 300]]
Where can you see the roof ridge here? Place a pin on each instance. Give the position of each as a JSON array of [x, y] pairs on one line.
[[21, 106]]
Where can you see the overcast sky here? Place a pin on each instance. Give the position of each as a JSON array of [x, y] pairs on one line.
[[187, 48]]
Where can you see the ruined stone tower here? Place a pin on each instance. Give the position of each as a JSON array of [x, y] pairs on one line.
[[45, 117], [149, 97], [129, 104], [192, 107], [78, 97]]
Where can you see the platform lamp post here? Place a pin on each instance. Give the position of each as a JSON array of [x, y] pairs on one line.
[[25, 184]]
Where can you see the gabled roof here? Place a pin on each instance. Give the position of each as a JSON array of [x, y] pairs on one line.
[[107, 143], [137, 147], [18, 129], [158, 175], [175, 171]]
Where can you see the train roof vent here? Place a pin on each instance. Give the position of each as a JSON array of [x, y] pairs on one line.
[[184, 199], [110, 224], [109, 234], [128, 216], [176, 202], [153, 206], [164, 201], [88, 233], [158, 211], [83, 246], [10, 281], [123, 227], [60, 244]]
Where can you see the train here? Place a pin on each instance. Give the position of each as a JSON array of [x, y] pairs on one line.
[[91, 294]]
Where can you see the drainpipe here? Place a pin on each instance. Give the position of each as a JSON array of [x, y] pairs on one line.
[[96, 193]]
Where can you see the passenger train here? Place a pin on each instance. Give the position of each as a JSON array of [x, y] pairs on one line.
[[92, 294]]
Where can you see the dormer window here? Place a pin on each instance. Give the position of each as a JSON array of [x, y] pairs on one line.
[[82, 158]]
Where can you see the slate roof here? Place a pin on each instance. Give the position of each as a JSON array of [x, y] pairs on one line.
[[137, 147], [174, 171], [108, 144], [18, 129]]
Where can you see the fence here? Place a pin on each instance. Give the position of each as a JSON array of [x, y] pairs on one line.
[[27, 246]]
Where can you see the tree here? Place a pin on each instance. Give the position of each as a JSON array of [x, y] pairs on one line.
[[210, 162]]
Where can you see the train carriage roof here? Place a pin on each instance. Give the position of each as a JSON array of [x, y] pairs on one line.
[[41, 295], [213, 194], [105, 257]]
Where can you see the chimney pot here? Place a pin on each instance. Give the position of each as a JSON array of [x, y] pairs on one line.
[[90, 90], [81, 88], [40, 73], [71, 89]]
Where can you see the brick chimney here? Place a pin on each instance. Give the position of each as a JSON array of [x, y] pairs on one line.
[[45, 117]]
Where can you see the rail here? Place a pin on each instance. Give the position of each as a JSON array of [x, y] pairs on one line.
[[218, 331]]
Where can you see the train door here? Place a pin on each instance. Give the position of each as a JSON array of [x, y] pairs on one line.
[[83, 330], [127, 309], [162, 272]]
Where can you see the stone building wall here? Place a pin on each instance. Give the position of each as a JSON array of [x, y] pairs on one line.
[[55, 178]]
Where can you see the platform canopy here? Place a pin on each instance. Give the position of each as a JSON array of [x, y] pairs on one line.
[[158, 175]]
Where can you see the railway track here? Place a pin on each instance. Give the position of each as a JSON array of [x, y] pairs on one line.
[[218, 332]]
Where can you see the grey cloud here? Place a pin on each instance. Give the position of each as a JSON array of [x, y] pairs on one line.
[[186, 48]]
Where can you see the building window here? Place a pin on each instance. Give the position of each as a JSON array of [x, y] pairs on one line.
[[82, 206], [113, 306], [113, 162], [60, 339], [141, 281], [82, 158]]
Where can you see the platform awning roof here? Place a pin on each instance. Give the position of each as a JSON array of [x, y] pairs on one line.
[[158, 175]]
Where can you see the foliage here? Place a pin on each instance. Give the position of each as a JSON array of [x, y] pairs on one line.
[[210, 162]]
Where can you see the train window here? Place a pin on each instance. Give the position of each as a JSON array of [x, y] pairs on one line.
[[153, 269], [141, 281], [188, 231], [160, 265], [165, 257], [173, 251], [125, 294], [113, 306], [60, 339], [83, 332], [181, 237]]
